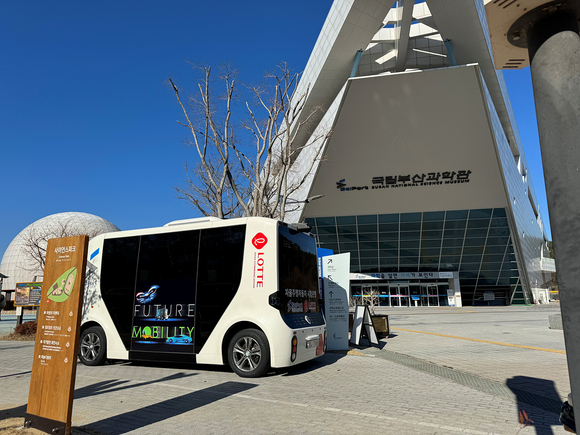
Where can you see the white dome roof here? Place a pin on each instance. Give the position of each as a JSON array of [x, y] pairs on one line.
[[16, 262]]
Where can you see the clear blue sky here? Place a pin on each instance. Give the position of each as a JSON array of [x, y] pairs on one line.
[[88, 124]]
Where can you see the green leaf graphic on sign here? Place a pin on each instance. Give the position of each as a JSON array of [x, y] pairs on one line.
[[61, 289]]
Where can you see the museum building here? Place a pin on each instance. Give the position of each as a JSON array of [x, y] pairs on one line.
[[424, 178]]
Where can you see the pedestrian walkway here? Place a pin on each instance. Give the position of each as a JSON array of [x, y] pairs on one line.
[[412, 384]]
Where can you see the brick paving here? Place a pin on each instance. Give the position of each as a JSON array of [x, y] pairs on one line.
[[335, 394]]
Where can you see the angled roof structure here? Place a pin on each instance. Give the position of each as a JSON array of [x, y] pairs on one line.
[[410, 91]]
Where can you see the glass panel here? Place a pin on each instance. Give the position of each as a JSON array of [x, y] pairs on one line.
[[472, 250], [408, 261], [433, 225], [410, 217], [345, 220], [434, 216], [430, 252], [367, 228], [499, 223], [486, 281], [409, 252], [495, 249], [432, 234], [503, 281], [497, 241], [344, 238], [389, 245], [327, 238], [449, 266], [368, 245], [474, 241], [454, 234], [497, 258], [456, 215], [326, 230], [471, 259], [489, 274], [411, 226], [468, 274], [410, 244], [430, 260], [368, 219], [473, 267], [451, 251], [499, 212], [348, 246], [368, 237], [478, 223], [480, 214], [450, 259], [388, 236], [448, 243], [499, 232], [118, 282], [465, 282], [310, 222], [368, 254], [410, 235], [388, 227], [455, 225], [480, 232], [386, 267], [431, 243], [347, 229], [325, 221], [388, 218], [385, 253]]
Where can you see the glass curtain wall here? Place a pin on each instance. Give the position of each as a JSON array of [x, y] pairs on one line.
[[476, 243]]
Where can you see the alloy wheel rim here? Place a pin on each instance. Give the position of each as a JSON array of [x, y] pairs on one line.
[[90, 346], [247, 354]]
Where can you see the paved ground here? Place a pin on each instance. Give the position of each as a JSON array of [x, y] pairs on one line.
[[416, 383]]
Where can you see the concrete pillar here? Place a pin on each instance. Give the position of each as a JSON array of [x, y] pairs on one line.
[[555, 69]]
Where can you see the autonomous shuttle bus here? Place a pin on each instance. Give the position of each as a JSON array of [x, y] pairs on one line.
[[242, 292]]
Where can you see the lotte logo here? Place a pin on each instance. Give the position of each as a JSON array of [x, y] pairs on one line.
[[259, 241]]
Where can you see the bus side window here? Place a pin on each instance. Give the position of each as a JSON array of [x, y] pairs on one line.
[[221, 256], [118, 282]]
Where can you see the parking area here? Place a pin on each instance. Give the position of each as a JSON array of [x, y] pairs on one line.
[[442, 370]]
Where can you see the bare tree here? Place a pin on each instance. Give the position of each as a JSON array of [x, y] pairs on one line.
[[35, 239], [245, 162]]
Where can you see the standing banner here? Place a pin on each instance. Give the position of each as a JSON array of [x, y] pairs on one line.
[[52, 381], [336, 270]]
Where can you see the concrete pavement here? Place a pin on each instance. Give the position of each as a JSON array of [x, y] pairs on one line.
[[417, 383]]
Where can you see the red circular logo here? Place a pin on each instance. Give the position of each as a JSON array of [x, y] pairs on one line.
[[259, 240]]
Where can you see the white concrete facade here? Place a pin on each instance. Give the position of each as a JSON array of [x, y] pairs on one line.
[[409, 112]]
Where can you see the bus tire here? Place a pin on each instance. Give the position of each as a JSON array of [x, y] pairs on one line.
[[93, 346], [249, 353]]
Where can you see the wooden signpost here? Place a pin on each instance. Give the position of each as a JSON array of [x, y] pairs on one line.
[[52, 382]]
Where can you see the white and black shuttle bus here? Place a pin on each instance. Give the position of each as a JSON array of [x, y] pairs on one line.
[[242, 292]]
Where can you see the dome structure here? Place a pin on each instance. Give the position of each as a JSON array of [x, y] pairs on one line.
[[22, 260]]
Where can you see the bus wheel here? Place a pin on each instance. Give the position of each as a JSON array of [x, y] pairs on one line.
[[93, 346], [249, 353]]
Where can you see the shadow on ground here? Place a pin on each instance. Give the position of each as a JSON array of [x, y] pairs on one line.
[[160, 411], [538, 393]]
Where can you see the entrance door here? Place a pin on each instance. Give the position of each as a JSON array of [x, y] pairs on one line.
[[424, 297], [405, 298], [433, 295], [394, 293]]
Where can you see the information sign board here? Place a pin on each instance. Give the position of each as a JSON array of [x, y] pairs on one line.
[[336, 269], [51, 391], [28, 294]]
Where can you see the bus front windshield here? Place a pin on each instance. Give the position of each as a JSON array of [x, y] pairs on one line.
[[298, 273]]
